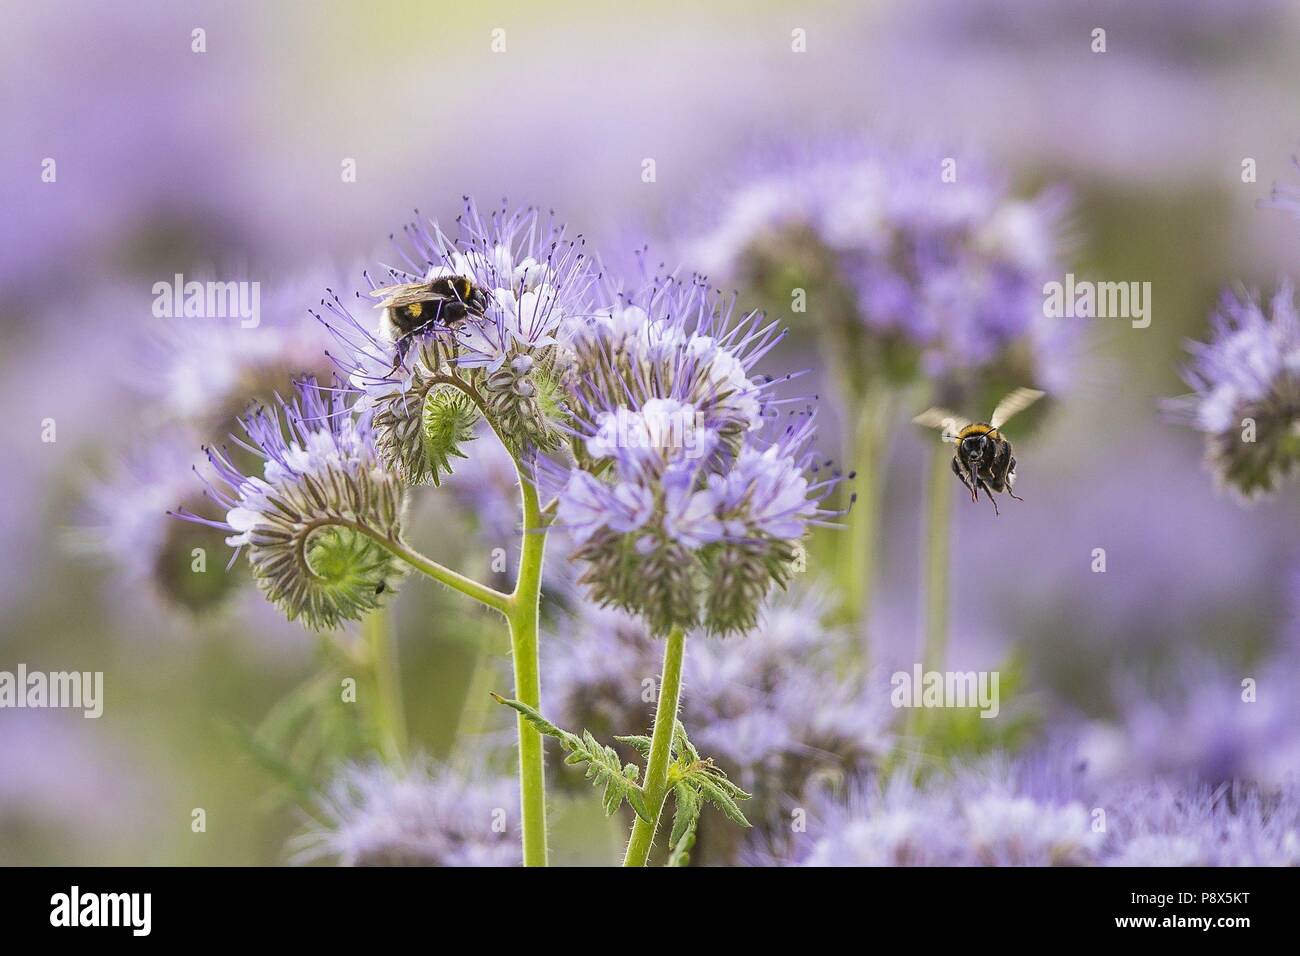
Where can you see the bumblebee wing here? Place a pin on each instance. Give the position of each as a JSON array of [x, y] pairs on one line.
[[948, 422], [1014, 404], [395, 296]]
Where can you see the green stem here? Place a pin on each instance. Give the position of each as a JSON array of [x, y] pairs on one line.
[[867, 454], [938, 547], [523, 617], [656, 774], [522, 612], [489, 597], [381, 649]]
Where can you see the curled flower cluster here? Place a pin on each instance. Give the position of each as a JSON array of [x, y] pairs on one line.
[[685, 514], [425, 815], [534, 280], [1247, 392], [919, 267], [313, 520]]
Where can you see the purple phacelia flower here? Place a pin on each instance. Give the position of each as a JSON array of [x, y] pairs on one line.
[[684, 507], [534, 282], [205, 370], [1043, 808], [937, 273], [663, 536], [1228, 825], [313, 519], [1214, 724], [677, 341], [1247, 392], [949, 821], [123, 522], [424, 815]]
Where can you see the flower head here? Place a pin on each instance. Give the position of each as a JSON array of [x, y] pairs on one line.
[[313, 519], [684, 506], [1204, 727], [124, 522], [1047, 808], [981, 817], [1231, 825], [426, 815], [673, 347], [206, 370], [530, 280], [918, 271], [1247, 392]]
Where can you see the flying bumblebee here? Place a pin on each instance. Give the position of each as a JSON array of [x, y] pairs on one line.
[[412, 308], [983, 460]]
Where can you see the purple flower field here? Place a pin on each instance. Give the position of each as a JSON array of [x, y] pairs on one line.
[[830, 435]]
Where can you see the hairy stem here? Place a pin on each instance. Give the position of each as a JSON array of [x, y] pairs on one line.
[[656, 774], [489, 597], [523, 617], [386, 711]]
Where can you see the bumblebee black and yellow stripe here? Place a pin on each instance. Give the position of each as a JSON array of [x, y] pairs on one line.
[[980, 428]]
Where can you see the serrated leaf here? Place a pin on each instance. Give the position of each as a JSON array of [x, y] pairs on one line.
[[687, 812], [720, 798], [685, 819], [682, 746], [604, 769], [447, 421], [638, 742], [543, 726]]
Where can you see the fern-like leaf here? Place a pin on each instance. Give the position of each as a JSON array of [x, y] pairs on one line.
[[638, 742], [706, 782], [603, 767], [685, 817]]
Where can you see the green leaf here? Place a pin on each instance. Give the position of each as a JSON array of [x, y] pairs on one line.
[[687, 812], [604, 769], [638, 742], [683, 749], [447, 421], [720, 794], [685, 818]]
